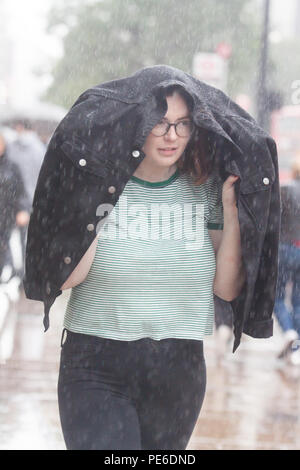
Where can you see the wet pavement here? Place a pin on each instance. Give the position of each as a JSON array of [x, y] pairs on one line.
[[252, 399]]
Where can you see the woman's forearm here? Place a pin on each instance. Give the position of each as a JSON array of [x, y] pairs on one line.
[[82, 269], [230, 273]]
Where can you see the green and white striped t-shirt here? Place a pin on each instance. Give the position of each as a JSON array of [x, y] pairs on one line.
[[154, 266]]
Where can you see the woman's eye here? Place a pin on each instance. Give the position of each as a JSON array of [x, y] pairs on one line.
[[160, 125]]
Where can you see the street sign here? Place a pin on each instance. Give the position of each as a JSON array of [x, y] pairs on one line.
[[211, 68], [224, 50]]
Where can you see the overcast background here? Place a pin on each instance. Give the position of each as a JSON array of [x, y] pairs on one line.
[[32, 50]]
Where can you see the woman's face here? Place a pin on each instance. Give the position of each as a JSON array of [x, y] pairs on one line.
[[166, 150]]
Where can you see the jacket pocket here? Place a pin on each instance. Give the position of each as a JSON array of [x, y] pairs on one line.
[[83, 349], [257, 182], [85, 159], [255, 193]]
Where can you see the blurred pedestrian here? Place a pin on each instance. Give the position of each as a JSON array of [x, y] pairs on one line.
[[27, 151], [289, 268], [14, 202]]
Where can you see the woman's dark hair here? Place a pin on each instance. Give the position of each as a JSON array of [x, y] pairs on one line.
[[197, 159]]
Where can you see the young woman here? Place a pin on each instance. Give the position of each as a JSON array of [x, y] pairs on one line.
[[132, 371]]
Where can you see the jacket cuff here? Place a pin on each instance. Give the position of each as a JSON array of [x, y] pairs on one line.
[[32, 291], [259, 329]]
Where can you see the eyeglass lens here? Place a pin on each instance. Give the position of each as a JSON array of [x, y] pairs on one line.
[[182, 128]]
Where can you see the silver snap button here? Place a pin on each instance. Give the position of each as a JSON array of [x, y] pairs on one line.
[[90, 227], [266, 181], [112, 189], [82, 162], [67, 260], [135, 153]]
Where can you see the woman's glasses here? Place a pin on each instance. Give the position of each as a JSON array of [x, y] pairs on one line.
[[183, 128]]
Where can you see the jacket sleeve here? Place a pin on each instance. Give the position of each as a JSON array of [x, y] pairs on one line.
[[216, 211], [40, 224], [259, 324]]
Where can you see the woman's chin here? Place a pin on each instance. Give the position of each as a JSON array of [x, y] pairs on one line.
[[166, 160]]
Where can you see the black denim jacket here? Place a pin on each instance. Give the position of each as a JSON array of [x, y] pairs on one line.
[[98, 146]]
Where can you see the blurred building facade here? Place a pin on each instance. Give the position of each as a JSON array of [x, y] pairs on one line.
[[26, 50], [285, 17]]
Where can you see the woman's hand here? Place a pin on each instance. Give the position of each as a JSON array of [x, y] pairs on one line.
[[22, 218], [228, 192]]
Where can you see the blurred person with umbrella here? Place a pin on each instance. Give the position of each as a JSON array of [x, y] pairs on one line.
[[32, 126], [40, 117], [27, 152], [14, 210], [289, 267]]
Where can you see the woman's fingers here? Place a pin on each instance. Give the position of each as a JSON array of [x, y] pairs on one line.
[[228, 193]]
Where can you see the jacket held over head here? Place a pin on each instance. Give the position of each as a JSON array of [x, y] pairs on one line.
[[98, 146]]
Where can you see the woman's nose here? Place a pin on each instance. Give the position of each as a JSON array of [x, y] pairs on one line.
[[171, 134]]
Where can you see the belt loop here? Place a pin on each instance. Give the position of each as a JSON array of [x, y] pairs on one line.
[[62, 337]]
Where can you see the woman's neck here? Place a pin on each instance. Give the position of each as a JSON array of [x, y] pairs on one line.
[[154, 175]]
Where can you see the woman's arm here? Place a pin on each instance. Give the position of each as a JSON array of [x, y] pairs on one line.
[[230, 273], [81, 271]]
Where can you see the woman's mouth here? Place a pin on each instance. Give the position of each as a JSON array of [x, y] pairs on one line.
[[167, 150]]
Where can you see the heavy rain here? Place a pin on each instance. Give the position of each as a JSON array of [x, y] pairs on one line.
[[121, 329]]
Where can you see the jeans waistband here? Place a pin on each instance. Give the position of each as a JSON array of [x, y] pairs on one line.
[[154, 344], [81, 337]]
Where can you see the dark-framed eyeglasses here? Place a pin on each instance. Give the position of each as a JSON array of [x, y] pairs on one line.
[[183, 128]]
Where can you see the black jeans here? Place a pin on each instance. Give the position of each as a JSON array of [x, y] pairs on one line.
[[129, 395]]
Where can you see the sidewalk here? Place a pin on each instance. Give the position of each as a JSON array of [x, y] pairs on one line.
[[251, 401]]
